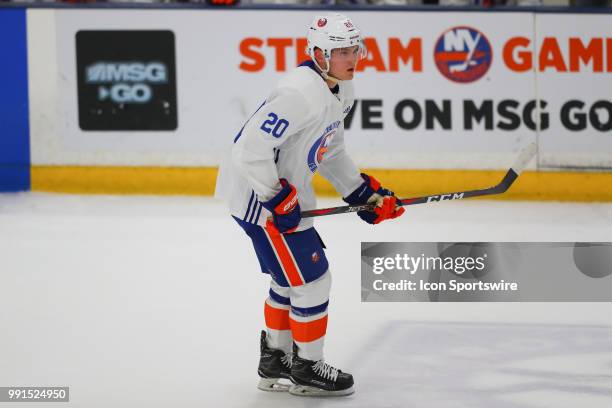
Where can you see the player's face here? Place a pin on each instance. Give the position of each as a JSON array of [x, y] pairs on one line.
[[343, 62]]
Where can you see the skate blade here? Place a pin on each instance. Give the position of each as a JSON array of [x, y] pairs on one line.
[[273, 385], [306, 391]]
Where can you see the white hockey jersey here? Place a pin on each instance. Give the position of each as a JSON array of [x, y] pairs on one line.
[[297, 131]]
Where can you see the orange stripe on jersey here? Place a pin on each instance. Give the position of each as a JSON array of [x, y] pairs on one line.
[[305, 332], [276, 319], [285, 258]]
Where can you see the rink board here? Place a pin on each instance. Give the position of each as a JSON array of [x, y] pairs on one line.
[[527, 79], [532, 185], [14, 134]]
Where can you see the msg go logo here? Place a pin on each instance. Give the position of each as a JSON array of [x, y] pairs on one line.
[[127, 82]]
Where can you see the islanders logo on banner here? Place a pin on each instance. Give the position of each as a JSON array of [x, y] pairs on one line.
[[463, 54], [320, 146]]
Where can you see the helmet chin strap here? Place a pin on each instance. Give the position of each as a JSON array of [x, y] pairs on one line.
[[328, 77], [325, 72]]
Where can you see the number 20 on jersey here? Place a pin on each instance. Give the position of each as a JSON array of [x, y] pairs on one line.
[[274, 126]]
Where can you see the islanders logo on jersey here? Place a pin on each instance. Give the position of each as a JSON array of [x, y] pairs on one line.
[[463, 54], [320, 146]]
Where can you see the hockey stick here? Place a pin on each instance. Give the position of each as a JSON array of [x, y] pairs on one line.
[[521, 162]]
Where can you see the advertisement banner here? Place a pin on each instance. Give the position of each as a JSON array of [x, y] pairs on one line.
[[574, 65], [126, 80], [436, 91]]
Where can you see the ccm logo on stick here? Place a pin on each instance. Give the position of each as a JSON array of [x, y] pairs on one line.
[[445, 197]]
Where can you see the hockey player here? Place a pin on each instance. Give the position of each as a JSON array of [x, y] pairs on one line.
[[297, 131]]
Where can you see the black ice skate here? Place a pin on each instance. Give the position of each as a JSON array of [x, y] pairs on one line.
[[318, 379], [274, 368]]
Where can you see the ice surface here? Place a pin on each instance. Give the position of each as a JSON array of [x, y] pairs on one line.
[[157, 302]]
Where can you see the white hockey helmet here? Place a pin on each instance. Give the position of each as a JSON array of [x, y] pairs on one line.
[[333, 31]]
